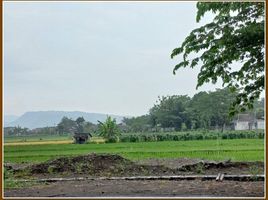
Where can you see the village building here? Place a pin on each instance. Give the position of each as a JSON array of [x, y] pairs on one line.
[[260, 123], [248, 122]]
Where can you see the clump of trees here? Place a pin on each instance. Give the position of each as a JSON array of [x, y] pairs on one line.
[[22, 131], [205, 110], [16, 131], [211, 109], [79, 125], [137, 124], [170, 111]]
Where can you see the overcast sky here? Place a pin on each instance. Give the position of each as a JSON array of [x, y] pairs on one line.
[[95, 56]]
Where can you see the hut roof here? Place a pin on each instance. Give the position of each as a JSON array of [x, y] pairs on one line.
[[245, 118], [82, 135]]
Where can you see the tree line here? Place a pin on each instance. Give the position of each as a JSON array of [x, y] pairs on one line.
[[205, 110], [65, 126]]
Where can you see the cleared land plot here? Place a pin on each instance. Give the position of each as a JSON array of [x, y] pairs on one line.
[[159, 188], [236, 150]]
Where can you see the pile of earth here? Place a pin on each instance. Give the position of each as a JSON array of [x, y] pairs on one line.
[[96, 165], [198, 166], [225, 167]]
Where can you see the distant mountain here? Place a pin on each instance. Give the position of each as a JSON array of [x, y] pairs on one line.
[[40, 119], [9, 118]]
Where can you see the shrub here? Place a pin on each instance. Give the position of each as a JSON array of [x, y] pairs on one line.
[[109, 130], [195, 135], [112, 139]]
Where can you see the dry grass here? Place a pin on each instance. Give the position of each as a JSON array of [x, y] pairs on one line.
[[96, 140], [39, 142]]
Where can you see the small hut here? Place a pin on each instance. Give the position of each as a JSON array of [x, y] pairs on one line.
[[81, 138]]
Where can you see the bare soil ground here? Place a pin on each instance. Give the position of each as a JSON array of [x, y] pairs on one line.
[[198, 166], [96, 165], [123, 188]]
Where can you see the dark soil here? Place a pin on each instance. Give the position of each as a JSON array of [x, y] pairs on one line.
[[198, 166], [156, 188], [95, 165], [103, 165]]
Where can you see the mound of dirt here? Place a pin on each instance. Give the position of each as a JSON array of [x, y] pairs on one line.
[[85, 163], [96, 165], [208, 167], [212, 166]]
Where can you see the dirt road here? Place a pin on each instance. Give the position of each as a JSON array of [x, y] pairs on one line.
[[161, 188], [97, 165]]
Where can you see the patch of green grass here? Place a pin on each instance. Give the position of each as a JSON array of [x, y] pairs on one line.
[[12, 184], [255, 170], [11, 181], [200, 168], [235, 149]]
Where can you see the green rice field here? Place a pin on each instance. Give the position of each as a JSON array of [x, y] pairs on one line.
[[234, 149]]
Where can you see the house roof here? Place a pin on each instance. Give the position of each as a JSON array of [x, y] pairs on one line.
[[245, 117], [261, 118]]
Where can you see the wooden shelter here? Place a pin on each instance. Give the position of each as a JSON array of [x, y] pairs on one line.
[[81, 138]]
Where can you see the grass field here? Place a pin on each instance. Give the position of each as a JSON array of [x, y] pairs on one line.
[[236, 149]]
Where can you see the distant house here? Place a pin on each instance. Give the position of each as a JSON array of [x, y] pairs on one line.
[[260, 123], [81, 138], [247, 122]]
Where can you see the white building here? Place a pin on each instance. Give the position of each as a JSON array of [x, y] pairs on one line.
[[260, 124], [248, 122]]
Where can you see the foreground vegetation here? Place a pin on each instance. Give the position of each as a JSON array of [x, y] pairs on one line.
[[236, 150]]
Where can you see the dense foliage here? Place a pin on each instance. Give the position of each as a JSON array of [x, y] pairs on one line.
[[109, 130], [79, 125], [19, 131], [170, 111], [205, 110], [231, 47], [211, 109], [192, 135], [138, 124]]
